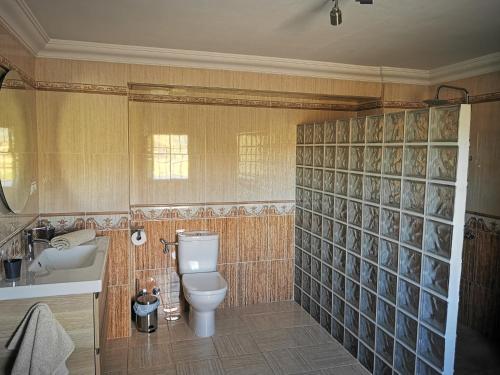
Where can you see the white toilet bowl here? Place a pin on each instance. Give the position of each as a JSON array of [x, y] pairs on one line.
[[204, 291]]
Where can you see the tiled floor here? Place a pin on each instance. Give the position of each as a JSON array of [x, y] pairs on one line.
[[476, 355], [275, 338]]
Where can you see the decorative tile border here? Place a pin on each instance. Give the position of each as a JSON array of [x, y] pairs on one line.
[[216, 210], [253, 209], [64, 223], [282, 208], [94, 220], [12, 225], [475, 221], [100, 221], [155, 98], [24, 76], [81, 88], [139, 213], [187, 212], [124, 91], [15, 84], [12, 247], [483, 98]]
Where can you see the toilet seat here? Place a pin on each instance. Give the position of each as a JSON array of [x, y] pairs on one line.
[[204, 284]]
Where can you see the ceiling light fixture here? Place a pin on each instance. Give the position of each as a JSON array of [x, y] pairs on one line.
[[336, 13]]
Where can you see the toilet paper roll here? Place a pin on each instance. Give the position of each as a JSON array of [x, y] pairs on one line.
[[135, 238]]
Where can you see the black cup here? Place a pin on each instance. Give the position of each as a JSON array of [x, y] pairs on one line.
[[12, 268]]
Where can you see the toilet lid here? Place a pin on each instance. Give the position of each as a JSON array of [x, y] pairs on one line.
[[204, 283]]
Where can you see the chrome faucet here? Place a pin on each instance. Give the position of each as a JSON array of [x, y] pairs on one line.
[[30, 241]]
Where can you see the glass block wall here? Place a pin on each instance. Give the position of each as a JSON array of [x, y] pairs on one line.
[[379, 230]]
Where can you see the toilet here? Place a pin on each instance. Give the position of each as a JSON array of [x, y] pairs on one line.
[[204, 287]]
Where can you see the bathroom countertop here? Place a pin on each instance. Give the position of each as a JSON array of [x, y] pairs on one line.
[[59, 282]]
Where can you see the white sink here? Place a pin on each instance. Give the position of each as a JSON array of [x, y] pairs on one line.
[[53, 259], [79, 270]]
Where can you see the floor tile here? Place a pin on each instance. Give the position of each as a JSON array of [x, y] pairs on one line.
[[475, 354], [229, 312], [235, 345], [160, 336], [276, 320], [274, 339], [114, 359], [325, 356], [274, 307], [115, 372], [116, 343], [153, 356], [251, 364], [203, 367], [181, 331], [310, 336], [193, 350], [356, 369], [229, 325], [168, 370], [284, 362]]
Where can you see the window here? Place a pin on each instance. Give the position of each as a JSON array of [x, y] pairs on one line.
[[170, 157], [6, 159], [251, 156]]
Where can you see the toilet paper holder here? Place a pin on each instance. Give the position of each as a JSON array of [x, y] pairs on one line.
[[138, 230]]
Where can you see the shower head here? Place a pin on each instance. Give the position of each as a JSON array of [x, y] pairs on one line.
[[436, 101]]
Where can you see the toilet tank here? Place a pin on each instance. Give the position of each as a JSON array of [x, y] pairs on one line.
[[198, 251]]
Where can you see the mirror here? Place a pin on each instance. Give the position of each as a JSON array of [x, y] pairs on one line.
[[17, 142]]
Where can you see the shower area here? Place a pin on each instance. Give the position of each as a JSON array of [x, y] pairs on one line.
[[380, 207]]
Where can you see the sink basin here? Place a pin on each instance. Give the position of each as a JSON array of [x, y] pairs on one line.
[[79, 270], [53, 259]]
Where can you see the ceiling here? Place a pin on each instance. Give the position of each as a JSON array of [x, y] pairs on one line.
[[417, 34]]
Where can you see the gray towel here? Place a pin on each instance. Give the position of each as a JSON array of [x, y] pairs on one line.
[[72, 239], [42, 343]]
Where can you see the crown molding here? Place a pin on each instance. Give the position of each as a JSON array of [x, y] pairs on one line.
[[404, 75], [68, 49], [465, 69], [17, 17]]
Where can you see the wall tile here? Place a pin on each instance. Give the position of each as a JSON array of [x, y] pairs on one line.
[[106, 177], [118, 256], [252, 283], [60, 127], [280, 280], [78, 71], [253, 238], [230, 273], [62, 183], [221, 177], [118, 312], [228, 238], [280, 236], [145, 189], [150, 255]]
